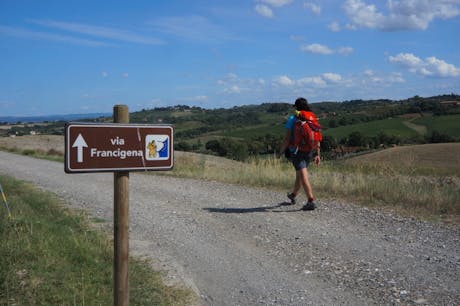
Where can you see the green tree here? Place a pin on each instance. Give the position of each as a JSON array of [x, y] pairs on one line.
[[357, 139], [328, 144], [216, 147]]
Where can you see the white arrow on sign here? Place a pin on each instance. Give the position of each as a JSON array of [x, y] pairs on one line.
[[79, 143]]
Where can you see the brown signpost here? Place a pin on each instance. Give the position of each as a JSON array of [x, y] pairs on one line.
[[119, 147]]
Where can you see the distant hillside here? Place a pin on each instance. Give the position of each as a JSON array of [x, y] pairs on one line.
[[259, 129], [251, 130]]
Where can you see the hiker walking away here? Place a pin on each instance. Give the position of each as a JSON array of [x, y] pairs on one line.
[[300, 147]]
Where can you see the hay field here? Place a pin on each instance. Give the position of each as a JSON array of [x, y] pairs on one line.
[[440, 158], [42, 143]]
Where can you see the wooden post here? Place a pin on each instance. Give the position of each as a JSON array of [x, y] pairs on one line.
[[121, 226]]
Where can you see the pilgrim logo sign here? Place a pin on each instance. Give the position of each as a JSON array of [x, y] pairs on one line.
[[117, 147]]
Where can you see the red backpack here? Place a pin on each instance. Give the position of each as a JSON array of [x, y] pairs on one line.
[[307, 132]]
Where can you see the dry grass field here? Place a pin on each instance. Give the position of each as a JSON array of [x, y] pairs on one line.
[[43, 143], [442, 158]]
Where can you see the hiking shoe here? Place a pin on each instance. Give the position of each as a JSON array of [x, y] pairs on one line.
[[309, 206], [291, 197]]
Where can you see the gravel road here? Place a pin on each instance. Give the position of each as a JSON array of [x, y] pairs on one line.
[[243, 246]]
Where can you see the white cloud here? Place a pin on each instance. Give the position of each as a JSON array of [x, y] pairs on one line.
[[264, 11], [401, 14], [316, 9], [371, 76], [316, 48], [233, 84], [264, 8], [396, 78], [104, 74], [439, 67], [316, 81], [369, 72], [233, 89], [345, 50], [362, 14], [276, 3], [325, 50], [334, 26], [406, 59], [431, 66], [227, 79], [332, 77], [284, 81], [125, 75]]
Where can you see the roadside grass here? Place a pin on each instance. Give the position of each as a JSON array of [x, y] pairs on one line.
[[52, 256], [51, 154], [435, 197]]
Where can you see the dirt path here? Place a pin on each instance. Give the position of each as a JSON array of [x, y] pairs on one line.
[[420, 129], [243, 246]]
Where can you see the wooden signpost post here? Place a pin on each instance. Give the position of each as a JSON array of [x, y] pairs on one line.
[[119, 148]]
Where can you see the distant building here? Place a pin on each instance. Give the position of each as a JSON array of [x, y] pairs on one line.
[[454, 103]]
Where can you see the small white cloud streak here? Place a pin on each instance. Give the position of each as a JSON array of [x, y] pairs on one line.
[[98, 31], [36, 35], [334, 26], [314, 8], [276, 3], [345, 50], [325, 50], [264, 11], [316, 48]]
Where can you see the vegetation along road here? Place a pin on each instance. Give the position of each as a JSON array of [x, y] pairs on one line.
[[243, 246]]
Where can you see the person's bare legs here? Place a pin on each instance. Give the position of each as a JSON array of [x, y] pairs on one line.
[[302, 174], [301, 180], [297, 183]]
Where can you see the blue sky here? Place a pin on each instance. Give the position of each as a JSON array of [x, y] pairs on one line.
[[61, 57]]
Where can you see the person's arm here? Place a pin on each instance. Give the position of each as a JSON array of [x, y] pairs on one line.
[[285, 143], [318, 154]]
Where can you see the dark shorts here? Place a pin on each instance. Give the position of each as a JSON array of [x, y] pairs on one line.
[[300, 160]]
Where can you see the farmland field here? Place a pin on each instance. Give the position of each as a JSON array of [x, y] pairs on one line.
[[440, 158], [391, 126], [449, 125], [254, 131]]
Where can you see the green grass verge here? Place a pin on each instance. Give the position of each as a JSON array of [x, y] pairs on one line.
[[51, 256]]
